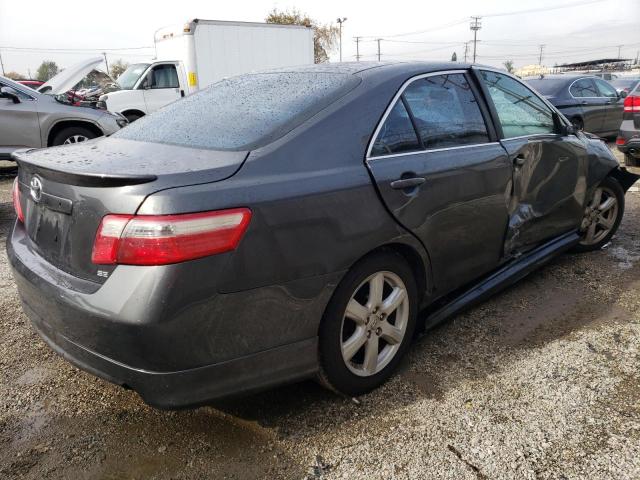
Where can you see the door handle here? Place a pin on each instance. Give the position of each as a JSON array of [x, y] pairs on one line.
[[407, 183], [519, 160]]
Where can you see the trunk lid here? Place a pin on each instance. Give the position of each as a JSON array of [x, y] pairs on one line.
[[65, 191]]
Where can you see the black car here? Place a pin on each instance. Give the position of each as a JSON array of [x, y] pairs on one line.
[[292, 224], [628, 140], [590, 103], [625, 84]]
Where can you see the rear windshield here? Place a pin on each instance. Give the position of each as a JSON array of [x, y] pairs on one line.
[[547, 86], [242, 113]]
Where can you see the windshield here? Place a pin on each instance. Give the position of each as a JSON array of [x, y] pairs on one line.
[[131, 75], [241, 113]]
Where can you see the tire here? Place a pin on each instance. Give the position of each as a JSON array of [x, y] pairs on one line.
[[132, 116], [577, 123], [610, 195], [71, 135], [339, 333]]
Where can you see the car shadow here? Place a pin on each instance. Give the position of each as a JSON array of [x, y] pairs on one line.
[[552, 303]]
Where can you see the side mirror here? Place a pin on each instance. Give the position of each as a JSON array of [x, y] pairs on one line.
[[6, 92], [623, 94], [561, 127]]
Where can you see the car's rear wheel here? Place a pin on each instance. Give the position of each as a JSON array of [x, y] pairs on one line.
[[368, 324], [602, 215], [71, 135]]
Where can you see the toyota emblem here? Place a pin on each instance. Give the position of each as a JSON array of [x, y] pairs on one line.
[[36, 189]]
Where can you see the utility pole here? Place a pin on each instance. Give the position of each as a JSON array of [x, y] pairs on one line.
[[378, 40], [475, 26], [340, 21], [466, 50], [1, 64], [619, 48], [105, 61], [357, 39], [541, 50]]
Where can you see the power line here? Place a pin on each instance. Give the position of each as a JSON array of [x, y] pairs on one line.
[[417, 32], [544, 9]]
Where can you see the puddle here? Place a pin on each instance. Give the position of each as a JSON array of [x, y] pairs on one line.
[[625, 258]]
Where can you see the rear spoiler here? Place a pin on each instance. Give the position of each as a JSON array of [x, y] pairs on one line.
[[79, 179]]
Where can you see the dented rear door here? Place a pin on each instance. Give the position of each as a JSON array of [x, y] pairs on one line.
[[549, 169]]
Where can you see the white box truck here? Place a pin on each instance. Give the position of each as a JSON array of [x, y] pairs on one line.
[[201, 52]]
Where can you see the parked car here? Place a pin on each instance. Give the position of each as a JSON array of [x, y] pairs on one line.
[[34, 84], [590, 103], [625, 84], [296, 229], [33, 119], [193, 55], [628, 140], [605, 75]]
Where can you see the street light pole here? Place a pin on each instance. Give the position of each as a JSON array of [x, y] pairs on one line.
[[340, 21]]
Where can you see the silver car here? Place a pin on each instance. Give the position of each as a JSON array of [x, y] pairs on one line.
[[43, 118]]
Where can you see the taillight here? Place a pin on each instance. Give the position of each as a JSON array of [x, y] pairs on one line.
[[16, 200], [620, 141], [632, 104], [165, 239]]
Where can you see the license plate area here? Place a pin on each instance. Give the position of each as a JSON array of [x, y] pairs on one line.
[[48, 229]]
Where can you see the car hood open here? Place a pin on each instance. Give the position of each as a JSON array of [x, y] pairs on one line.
[[69, 77]]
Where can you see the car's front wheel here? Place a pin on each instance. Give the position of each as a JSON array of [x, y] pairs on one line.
[[602, 215], [71, 135], [368, 324]]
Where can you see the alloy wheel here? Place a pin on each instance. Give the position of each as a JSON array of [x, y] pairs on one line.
[[374, 323], [75, 139], [599, 216]]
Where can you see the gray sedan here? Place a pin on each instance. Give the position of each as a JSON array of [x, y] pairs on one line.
[[291, 224], [32, 119]]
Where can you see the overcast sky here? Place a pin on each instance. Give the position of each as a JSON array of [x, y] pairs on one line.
[[588, 29]]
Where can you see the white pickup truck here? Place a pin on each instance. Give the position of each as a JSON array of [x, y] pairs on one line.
[[201, 52]]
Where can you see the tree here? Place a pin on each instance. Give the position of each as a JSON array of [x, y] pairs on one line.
[[325, 37], [508, 65], [118, 67], [454, 57], [14, 76], [46, 70]]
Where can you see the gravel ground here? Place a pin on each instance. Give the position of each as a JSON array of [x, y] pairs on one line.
[[542, 381]]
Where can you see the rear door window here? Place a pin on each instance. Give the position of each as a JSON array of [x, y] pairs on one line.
[[397, 134], [438, 111], [520, 111], [584, 88], [446, 112]]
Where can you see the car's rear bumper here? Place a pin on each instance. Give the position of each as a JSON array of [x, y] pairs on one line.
[[194, 386], [178, 354]]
